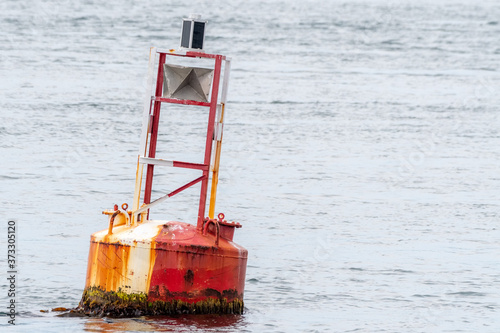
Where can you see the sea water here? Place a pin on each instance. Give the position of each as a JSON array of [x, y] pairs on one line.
[[360, 154]]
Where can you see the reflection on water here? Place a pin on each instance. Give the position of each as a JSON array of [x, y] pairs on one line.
[[184, 323]]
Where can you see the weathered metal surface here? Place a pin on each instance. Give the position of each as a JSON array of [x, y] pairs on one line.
[[172, 264], [189, 266], [122, 259]]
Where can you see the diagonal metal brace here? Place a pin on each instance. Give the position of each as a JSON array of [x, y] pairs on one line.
[[166, 196]]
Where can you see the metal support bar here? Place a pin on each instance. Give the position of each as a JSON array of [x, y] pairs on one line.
[[150, 124], [155, 161], [166, 196], [218, 138], [154, 130], [192, 54], [177, 164], [179, 101], [145, 128], [209, 141]]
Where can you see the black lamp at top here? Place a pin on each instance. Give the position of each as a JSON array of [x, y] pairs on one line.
[[193, 32]]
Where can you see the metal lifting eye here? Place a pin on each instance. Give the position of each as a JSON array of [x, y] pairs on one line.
[[124, 206], [221, 217]]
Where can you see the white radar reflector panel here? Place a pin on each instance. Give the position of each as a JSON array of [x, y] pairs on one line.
[[187, 83]]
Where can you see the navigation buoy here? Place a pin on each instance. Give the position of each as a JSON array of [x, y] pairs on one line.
[[138, 266]]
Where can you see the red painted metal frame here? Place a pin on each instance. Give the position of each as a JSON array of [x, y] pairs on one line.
[[180, 101], [210, 137], [182, 188], [158, 99], [188, 165], [192, 54], [154, 130]]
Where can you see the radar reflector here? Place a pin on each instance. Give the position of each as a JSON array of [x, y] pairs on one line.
[[187, 83]]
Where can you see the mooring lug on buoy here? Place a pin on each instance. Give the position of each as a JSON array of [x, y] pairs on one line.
[[117, 217], [111, 221], [217, 229]]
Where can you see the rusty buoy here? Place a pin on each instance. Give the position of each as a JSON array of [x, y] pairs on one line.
[[162, 267], [138, 266]]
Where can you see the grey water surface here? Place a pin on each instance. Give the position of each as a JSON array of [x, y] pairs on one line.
[[361, 155]]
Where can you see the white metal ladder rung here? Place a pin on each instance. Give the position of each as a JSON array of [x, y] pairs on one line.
[[155, 161]]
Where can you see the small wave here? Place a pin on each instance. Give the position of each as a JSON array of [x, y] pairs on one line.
[[8, 177], [402, 271], [63, 235], [356, 269], [423, 296], [467, 294]]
